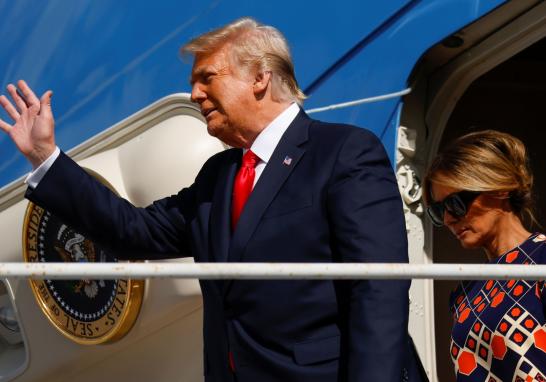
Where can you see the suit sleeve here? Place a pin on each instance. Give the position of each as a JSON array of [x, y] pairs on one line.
[[79, 200], [368, 226]]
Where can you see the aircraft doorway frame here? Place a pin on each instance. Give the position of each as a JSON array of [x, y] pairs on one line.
[[424, 117]]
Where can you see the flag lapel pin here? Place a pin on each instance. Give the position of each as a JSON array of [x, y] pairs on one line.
[[287, 161]]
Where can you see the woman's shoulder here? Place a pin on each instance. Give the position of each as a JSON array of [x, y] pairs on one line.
[[534, 249]]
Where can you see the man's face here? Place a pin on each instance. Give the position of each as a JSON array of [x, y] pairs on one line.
[[225, 95]]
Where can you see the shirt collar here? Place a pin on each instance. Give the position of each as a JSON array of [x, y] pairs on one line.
[[268, 139]]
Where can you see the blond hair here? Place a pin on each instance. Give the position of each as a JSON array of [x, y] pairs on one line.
[[253, 46], [485, 161]]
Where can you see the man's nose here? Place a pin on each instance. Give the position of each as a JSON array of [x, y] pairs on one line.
[[197, 93]]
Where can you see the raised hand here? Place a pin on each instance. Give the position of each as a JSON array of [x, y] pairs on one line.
[[33, 125]]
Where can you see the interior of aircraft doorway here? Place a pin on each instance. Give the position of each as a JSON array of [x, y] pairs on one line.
[[509, 98]]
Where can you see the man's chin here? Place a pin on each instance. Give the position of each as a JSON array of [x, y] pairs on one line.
[[223, 135], [212, 131], [218, 135]]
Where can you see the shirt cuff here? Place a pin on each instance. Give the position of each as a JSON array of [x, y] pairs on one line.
[[36, 176]]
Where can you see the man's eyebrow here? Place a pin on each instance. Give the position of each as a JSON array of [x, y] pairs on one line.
[[200, 72]]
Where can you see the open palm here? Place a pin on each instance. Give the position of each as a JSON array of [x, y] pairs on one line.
[[33, 125]]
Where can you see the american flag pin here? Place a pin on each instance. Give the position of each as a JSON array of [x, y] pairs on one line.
[[287, 161]]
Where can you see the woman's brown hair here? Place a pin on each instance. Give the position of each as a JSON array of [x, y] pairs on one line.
[[485, 161]]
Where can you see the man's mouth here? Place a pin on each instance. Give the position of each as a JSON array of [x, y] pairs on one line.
[[207, 112]]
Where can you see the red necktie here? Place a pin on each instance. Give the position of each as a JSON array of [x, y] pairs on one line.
[[242, 187]]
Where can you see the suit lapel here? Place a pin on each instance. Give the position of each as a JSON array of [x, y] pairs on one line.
[[281, 164], [220, 222]]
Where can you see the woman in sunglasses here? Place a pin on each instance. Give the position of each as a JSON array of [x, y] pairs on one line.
[[480, 189]]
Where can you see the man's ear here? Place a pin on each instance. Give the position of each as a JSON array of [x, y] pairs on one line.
[[261, 82]]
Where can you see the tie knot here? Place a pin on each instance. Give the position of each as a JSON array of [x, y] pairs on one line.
[[250, 159]]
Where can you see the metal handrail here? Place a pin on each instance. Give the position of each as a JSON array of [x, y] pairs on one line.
[[280, 271]]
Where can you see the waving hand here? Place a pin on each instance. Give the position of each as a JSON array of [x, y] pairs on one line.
[[33, 125]]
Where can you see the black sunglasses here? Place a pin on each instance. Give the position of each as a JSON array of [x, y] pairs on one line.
[[456, 204]]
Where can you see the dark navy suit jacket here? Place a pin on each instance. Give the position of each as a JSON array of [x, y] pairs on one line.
[[336, 201]]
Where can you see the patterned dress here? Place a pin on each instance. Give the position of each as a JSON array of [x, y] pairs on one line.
[[499, 328]]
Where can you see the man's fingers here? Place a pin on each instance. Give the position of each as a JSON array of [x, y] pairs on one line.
[[45, 103], [8, 107], [21, 105], [22, 97], [28, 93], [4, 126], [46, 98]]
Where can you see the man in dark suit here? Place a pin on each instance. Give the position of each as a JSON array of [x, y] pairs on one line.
[[291, 190]]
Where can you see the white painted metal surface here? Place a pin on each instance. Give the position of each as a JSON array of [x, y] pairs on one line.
[[269, 271]]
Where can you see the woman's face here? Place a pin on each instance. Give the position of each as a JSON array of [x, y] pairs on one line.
[[479, 227]]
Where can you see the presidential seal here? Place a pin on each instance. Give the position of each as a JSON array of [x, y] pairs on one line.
[[86, 311]]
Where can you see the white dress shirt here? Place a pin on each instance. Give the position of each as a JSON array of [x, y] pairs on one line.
[[38, 173], [266, 142], [263, 146]]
